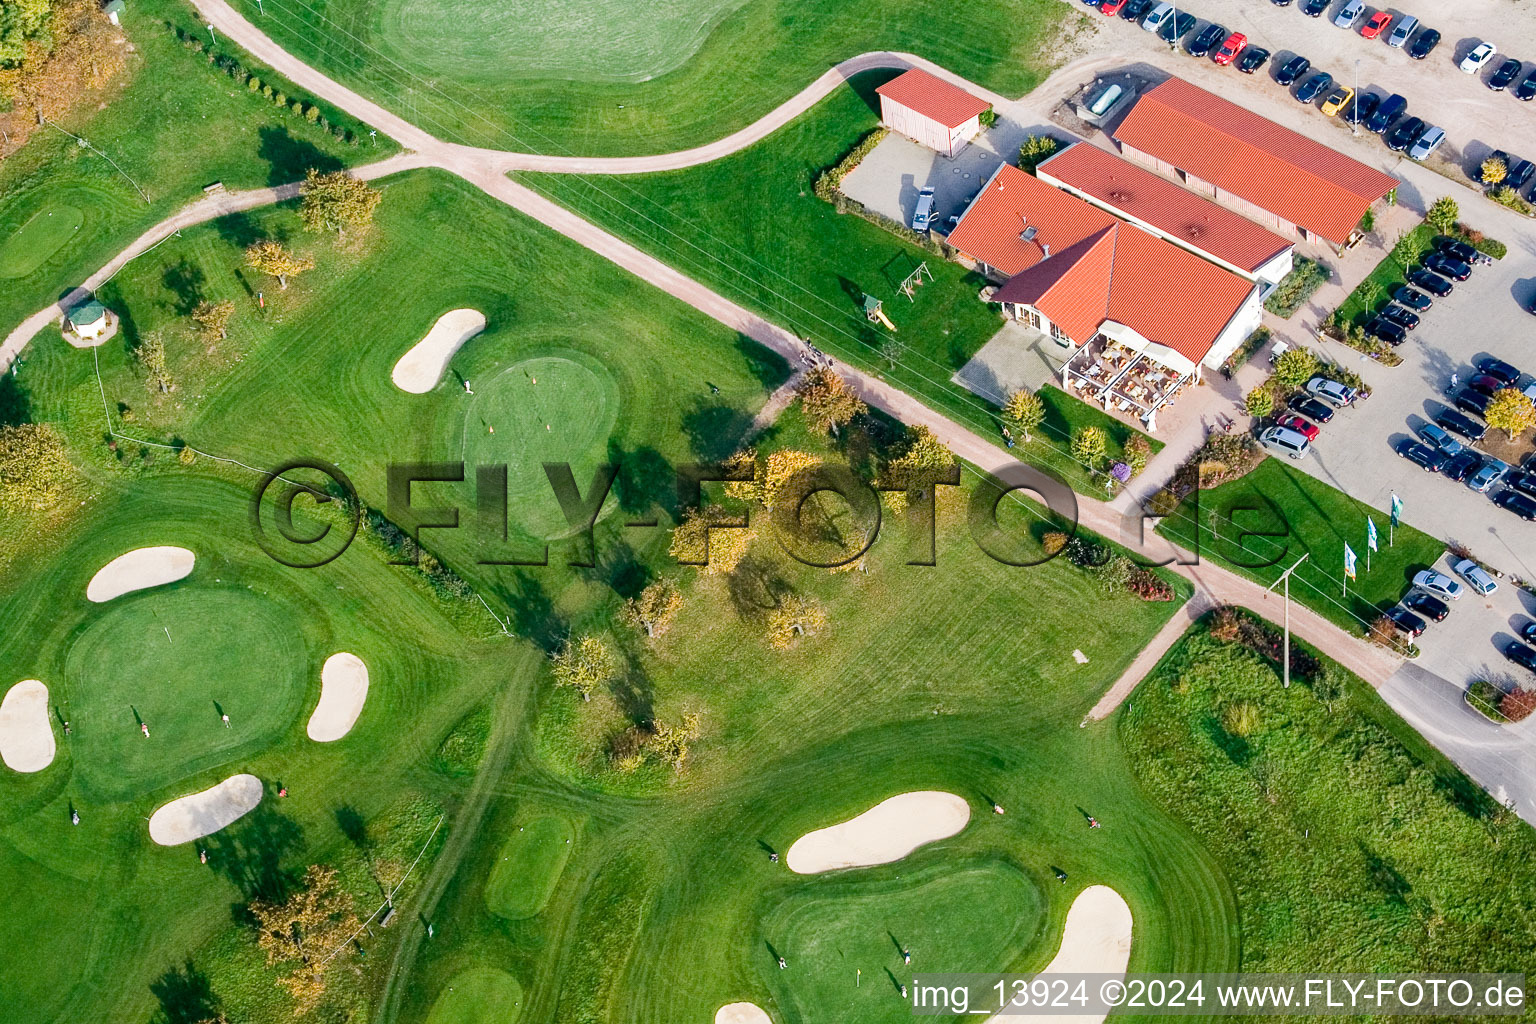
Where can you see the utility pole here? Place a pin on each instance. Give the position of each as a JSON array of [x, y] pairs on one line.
[[1285, 578], [1354, 124]]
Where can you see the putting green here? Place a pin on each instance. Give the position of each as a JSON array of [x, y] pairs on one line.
[[44, 234], [175, 660], [529, 867], [471, 40], [558, 407], [480, 995], [974, 915]]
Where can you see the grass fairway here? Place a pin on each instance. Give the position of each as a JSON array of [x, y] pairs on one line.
[[480, 995], [951, 916], [1261, 523], [662, 76], [532, 859], [36, 241], [175, 661]]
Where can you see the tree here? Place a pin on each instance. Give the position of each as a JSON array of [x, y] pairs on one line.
[[1295, 367], [655, 608], [274, 260], [1260, 402], [1510, 411], [1494, 170], [705, 535], [1088, 445], [1410, 246], [1443, 215], [827, 400], [150, 355], [781, 467], [1023, 412], [670, 742], [336, 201], [922, 455], [53, 55], [892, 349], [584, 664], [1136, 452], [304, 932], [1036, 149], [213, 317], [795, 617], [33, 467]]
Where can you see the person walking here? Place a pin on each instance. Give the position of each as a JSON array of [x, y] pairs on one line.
[[782, 964], [1061, 876], [906, 957], [1093, 822], [144, 728], [202, 855], [997, 808], [226, 720], [74, 816]]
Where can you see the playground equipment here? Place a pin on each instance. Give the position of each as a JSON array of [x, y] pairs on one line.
[[914, 281], [874, 311]]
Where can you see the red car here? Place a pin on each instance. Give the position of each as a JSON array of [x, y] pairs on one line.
[[1227, 52], [1376, 24], [1110, 8], [1305, 428]]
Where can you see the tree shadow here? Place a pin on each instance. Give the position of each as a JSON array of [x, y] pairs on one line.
[[1235, 747], [1385, 876], [289, 157], [619, 569], [635, 695], [645, 480], [351, 823], [15, 403], [185, 281], [715, 432], [533, 611], [767, 366], [240, 229], [250, 853], [186, 996], [755, 587]]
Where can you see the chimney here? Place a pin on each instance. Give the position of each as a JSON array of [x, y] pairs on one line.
[[1046, 248]]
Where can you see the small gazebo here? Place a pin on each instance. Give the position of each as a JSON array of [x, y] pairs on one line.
[[112, 9], [89, 321]]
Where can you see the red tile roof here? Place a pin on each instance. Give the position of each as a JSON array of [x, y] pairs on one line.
[[992, 226], [1249, 156], [1177, 212], [933, 97]]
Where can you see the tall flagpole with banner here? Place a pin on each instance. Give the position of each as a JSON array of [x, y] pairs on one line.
[[1397, 516], [1349, 567], [1370, 541]]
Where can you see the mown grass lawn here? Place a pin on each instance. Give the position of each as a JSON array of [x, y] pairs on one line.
[[1261, 523], [1376, 290]]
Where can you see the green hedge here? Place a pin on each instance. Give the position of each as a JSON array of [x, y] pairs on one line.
[[1295, 288]]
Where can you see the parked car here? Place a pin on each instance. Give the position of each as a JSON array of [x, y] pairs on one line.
[[923, 216], [1311, 408], [1406, 319], [1135, 10], [1438, 583], [1349, 14], [1434, 435], [1460, 423], [1207, 40], [1476, 576], [1230, 47], [1374, 26], [1383, 328], [1156, 16], [1361, 107], [1385, 113], [1314, 8], [1301, 426], [1528, 632], [1110, 8], [1521, 481], [1337, 100], [1313, 86], [1426, 457], [1499, 370], [1431, 282], [1455, 248], [1406, 134], [1424, 45], [1292, 70], [1406, 621], [1417, 301], [1489, 473], [1252, 58], [1517, 503], [1521, 655], [1402, 30], [1478, 58], [1505, 75], [1445, 266], [1471, 401], [1460, 466], [1334, 393], [1280, 441], [1427, 143], [1427, 605], [1526, 90], [1177, 27], [1519, 174], [1485, 384]]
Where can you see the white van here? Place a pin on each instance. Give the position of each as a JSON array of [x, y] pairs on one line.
[[1285, 441], [1156, 16], [1402, 30]]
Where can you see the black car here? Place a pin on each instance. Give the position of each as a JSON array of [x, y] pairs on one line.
[[1281, 3], [1134, 9], [1456, 249], [1427, 605], [1445, 266], [1499, 370], [1405, 319], [1470, 401], [1207, 40], [1314, 8], [1526, 90], [1177, 27], [1519, 174], [1387, 111], [1251, 59], [1386, 330], [1462, 425], [1507, 73], [1405, 620], [1521, 481], [1312, 86], [1406, 134], [1521, 655], [1417, 301], [1292, 70], [1461, 465], [1433, 283], [1426, 42], [1528, 632], [1431, 459], [1318, 412], [1360, 108], [1519, 504]]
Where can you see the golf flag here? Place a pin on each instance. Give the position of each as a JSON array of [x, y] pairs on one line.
[[1397, 509], [1370, 533], [1349, 561]]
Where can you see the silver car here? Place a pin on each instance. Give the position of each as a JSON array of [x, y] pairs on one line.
[[1439, 584], [924, 215], [1156, 16], [1331, 391], [1349, 14], [1285, 441], [1427, 144], [1402, 30], [1477, 578]]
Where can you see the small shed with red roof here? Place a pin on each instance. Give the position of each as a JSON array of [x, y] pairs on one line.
[[931, 111]]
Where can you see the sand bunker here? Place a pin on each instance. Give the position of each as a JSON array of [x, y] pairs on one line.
[[139, 569], [202, 814], [887, 831], [419, 370], [1096, 939], [741, 1013], [26, 735], [343, 688]]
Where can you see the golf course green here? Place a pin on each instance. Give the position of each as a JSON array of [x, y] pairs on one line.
[[480, 995], [531, 863], [34, 243]]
